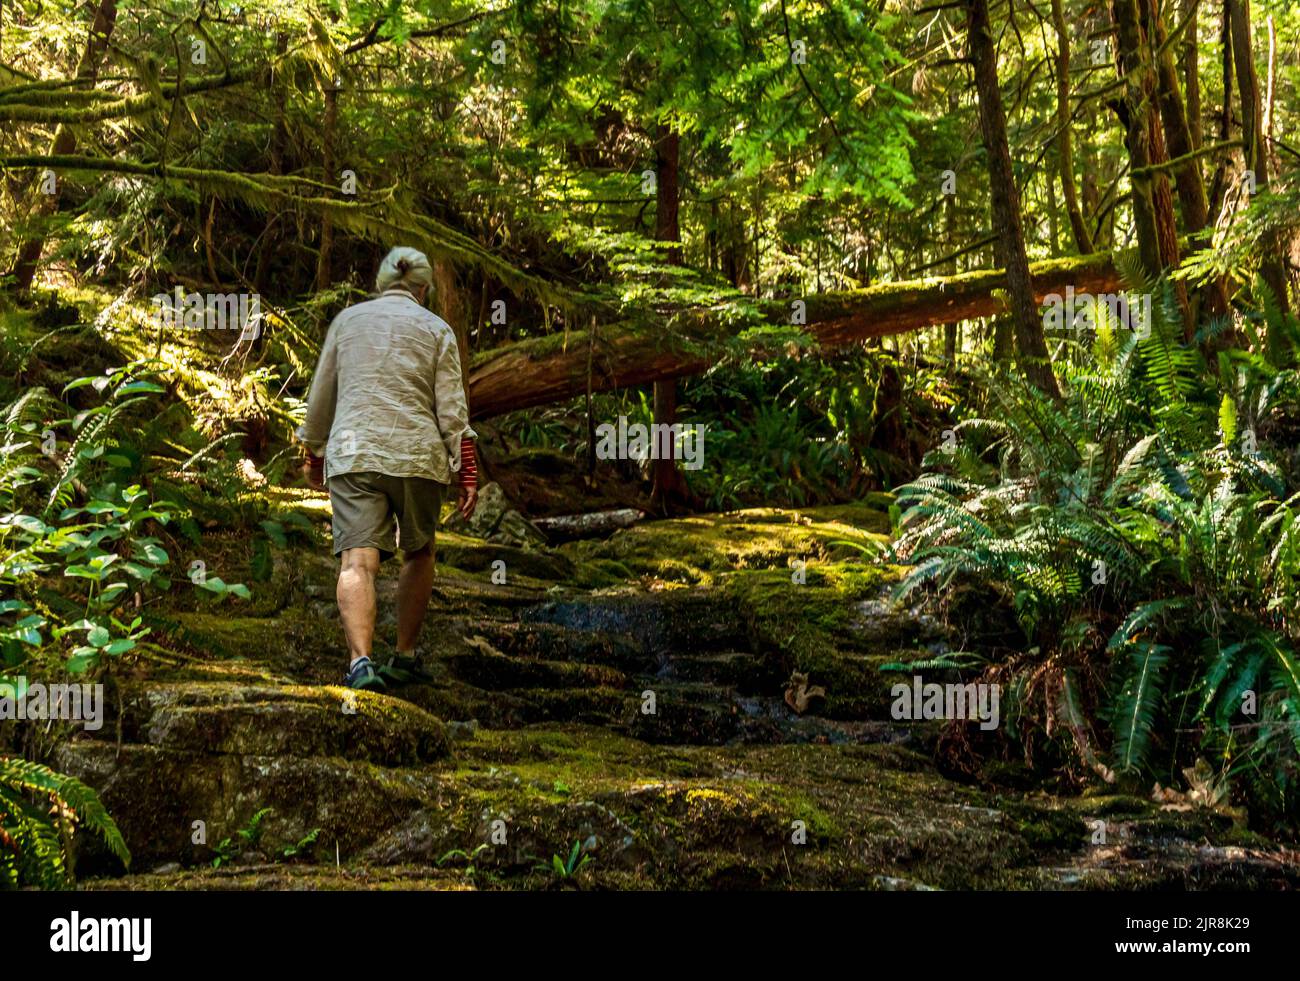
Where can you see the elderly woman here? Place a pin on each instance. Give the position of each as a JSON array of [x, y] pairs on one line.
[[387, 426]]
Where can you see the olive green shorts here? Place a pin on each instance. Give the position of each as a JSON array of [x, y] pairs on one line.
[[374, 510]]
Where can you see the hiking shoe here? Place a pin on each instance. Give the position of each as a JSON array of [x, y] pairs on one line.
[[404, 669], [362, 676]]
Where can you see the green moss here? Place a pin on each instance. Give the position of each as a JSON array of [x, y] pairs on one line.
[[807, 620], [286, 877], [674, 570], [1047, 828], [1103, 802], [601, 573], [706, 547]]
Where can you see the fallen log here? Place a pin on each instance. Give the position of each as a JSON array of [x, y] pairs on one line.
[[596, 524], [554, 369]]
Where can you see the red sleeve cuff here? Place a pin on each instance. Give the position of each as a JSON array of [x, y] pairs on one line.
[[468, 463]]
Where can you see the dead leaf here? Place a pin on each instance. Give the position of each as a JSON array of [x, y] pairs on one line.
[[799, 694]]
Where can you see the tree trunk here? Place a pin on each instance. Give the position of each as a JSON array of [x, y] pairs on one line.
[[1219, 185], [950, 246], [1274, 164], [449, 304], [668, 190], [279, 140], [1031, 345], [1091, 191], [1064, 142], [1153, 202], [669, 486], [1247, 88], [1178, 133], [65, 141], [328, 127], [950, 343], [712, 238], [532, 372], [1192, 71], [1004, 347], [1181, 142], [1252, 136]]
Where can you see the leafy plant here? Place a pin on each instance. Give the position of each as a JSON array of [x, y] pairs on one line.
[[249, 836], [566, 869], [301, 846], [1135, 506], [469, 858], [104, 550], [40, 810]]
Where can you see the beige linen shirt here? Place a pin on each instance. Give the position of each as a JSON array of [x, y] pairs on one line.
[[387, 394]]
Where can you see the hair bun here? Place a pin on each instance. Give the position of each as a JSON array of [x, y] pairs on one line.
[[403, 266]]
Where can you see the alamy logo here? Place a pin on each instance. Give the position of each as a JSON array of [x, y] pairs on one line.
[[102, 934], [973, 702], [20, 702], [210, 311], [655, 442], [1088, 311]]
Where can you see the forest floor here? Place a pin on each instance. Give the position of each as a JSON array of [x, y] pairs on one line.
[[534, 734]]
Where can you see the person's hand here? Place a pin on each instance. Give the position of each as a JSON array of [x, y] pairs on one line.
[[466, 500], [313, 471]]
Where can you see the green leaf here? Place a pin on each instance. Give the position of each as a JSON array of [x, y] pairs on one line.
[[27, 523], [82, 659], [139, 386], [96, 380], [1228, 420], [151, 551], [142, 572], [275, 531]]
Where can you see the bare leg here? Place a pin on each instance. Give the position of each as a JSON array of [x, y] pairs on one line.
[[356, 596], [414, 586]]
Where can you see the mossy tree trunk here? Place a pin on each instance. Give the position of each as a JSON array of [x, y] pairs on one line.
[[1177, 129], [1191, 65], [1181, 143], [541, 371], [1152, 197], [1134, 114]]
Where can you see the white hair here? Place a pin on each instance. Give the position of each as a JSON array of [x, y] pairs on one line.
[[404, 268]]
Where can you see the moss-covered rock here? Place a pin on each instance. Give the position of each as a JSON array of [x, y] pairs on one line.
[[221, 718], [533, 734]]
